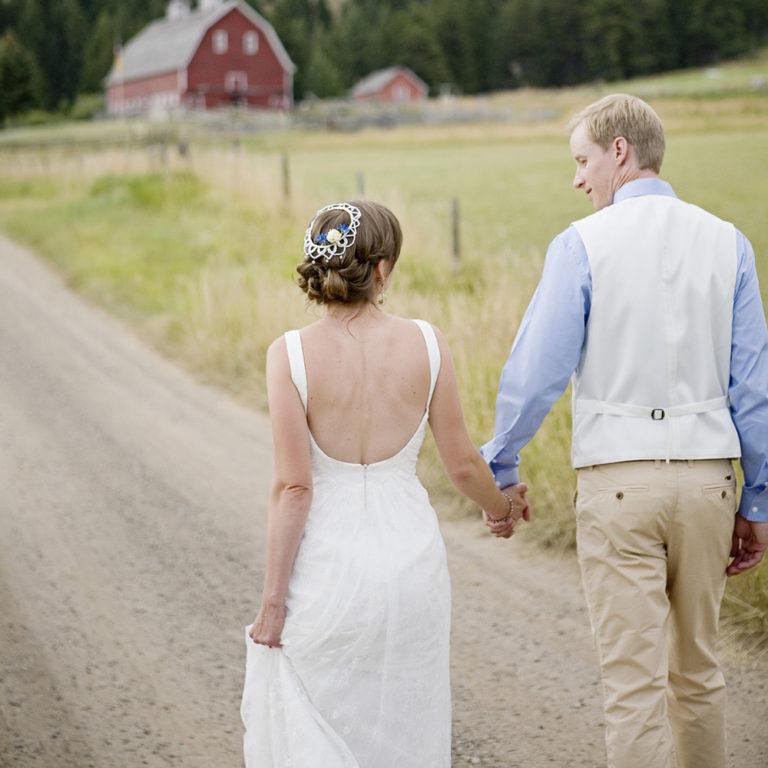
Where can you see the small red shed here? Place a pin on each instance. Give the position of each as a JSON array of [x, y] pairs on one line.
[[218, 54], [395, 84]]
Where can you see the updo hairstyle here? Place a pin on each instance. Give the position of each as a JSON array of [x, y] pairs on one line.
[[348, 277]]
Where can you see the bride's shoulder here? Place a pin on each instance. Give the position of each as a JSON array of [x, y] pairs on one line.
[[410, 324], [305, 332], [278, 349], [409, 329], [438, 333]]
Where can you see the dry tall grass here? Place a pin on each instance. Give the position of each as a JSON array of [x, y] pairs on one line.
[[221, 239]]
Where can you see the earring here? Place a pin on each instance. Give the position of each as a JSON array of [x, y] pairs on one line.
[[381, 297]]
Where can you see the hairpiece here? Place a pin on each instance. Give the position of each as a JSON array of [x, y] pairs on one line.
[[328, 244]]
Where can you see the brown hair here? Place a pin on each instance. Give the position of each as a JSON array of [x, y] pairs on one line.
[[629, 117], [349, 277]]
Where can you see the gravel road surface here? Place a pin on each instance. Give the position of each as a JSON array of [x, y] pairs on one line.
[[132, 510]]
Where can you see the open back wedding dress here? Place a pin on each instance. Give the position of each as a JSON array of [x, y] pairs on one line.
[[362, 679]]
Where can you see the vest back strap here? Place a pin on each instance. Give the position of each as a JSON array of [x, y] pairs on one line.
[[656, 413]]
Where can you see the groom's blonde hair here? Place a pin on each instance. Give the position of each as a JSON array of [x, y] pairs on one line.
[[629, 117]]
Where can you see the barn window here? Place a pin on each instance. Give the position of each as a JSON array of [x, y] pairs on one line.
[[250, 42], [220, 41]]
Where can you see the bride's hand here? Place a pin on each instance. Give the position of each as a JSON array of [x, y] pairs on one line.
[[502, 530], [268, 625], [506, 528]]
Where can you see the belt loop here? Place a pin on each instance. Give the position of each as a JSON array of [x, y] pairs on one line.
[[657, 463], [691, 463]]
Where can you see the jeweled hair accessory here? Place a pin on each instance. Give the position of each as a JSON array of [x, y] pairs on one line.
[[328, 244]]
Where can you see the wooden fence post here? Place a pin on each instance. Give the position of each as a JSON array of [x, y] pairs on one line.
[[286, 177], [235, 166], [456, 244]]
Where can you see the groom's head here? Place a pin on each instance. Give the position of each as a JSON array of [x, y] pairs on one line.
[[615, 140]]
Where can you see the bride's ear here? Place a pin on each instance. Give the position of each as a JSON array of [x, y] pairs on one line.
[[382, 270]]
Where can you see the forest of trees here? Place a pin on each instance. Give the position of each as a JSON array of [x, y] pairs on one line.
[[51, 51]]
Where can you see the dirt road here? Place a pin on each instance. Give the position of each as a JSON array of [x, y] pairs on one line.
[[132, 505]]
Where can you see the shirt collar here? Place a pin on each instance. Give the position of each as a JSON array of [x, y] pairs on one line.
[[638, 187]]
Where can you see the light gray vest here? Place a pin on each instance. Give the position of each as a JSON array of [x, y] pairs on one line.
[[652, 382]]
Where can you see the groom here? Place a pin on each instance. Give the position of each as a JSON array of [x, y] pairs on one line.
[[653, 306]]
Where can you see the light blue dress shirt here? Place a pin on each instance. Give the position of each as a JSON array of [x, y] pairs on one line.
[[548, 347]]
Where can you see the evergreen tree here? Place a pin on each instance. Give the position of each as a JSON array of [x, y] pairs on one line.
[[655, 51], [357, 41], [17, 76], [418, 46], [322, 77], [299, 25], [519, 44], [611, 37], [463, 40], [755, 21], [548, 46], [100, 50], [562, 55], [478, 45], [716, 30], [55, 31], [9, 14]]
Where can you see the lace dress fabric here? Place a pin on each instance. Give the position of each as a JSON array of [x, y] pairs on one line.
[[362, 679]]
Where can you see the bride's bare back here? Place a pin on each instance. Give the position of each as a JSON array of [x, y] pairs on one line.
[[368, 373], [368, 383]]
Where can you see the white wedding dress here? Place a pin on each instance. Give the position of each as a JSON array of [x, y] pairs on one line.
[[362, 679]]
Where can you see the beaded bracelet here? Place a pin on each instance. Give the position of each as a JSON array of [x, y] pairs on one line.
[[508, 517]]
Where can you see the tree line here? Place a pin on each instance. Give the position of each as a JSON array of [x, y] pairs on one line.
[[53, 50]]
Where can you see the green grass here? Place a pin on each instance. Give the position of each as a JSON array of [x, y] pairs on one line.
[[112, 239], [199, 252], [745, 76]]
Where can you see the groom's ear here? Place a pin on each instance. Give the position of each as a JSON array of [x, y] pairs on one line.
[[621, 150]]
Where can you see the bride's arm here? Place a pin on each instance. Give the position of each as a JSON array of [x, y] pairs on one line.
[[290, 495], [466, 468]]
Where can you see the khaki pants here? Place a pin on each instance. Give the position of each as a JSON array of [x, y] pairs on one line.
[[653, 541]]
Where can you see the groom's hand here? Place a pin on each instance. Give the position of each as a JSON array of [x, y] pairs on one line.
[[521, 509], [750, 542]]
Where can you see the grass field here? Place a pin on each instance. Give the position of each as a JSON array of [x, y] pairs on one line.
[[198, 251]]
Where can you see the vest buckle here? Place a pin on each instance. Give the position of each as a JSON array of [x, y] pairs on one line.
[[657, 414]]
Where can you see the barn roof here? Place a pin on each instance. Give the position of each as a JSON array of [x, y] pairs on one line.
[[374, 82], [168, 45]]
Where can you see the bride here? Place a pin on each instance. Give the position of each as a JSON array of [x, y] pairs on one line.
[[347, 659]]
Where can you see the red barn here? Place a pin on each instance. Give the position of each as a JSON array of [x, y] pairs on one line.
[[396, 84], [219, 54]]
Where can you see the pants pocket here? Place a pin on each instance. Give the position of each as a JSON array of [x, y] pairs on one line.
[[721, 494]]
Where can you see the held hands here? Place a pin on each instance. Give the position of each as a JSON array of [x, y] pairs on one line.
[[520, 509], [268, 625], [750, 540]]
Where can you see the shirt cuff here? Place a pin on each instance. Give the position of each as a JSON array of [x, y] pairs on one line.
[[754, 505], [505, 476]]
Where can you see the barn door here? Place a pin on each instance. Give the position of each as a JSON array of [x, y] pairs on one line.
[[236, 85]]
